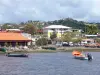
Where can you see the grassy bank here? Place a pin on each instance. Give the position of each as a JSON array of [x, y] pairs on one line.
[[33, 51], [70, 49], [61, 49]]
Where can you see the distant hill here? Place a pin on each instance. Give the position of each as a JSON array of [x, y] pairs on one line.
[[69, 22], [39, 24]]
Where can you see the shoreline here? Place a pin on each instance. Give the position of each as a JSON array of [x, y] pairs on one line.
[[60, 49], [70, 49]]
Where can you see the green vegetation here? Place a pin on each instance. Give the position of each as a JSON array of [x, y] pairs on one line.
[[70, 49], [53, 36], [70, 36], [66, 37], [29, 28], [35, 51], [41, 42], [76, 40], [69, 22], [91, 29]]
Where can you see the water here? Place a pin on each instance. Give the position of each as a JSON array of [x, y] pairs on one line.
[[49, 64]]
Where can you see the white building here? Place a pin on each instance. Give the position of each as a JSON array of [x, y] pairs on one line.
[[58, 29], [33, 38]]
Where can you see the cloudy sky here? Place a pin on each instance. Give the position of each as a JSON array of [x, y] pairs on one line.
[[44, 10]]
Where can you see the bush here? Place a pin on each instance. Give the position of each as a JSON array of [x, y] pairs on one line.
[[50, 48], [41, 42]]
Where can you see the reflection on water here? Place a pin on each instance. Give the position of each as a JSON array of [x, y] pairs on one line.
[[49, 64]]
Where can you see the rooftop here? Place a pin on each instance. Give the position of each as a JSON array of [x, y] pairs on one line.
[[56, 26], [10, 36]]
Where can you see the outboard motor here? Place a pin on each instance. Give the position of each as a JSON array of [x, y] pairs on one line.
[[89, 57]]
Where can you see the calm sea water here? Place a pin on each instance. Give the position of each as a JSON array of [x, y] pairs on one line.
[[49, 64]]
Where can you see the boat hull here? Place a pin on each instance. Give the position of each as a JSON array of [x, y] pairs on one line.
[[81, 58], [17, 55]]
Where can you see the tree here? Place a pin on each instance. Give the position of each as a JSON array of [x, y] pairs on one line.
[[66, 37], [91, 29], [69, 36], [41, 42], [69, 22], [76, 40], [29, 28], [53, 36], [5, 26]]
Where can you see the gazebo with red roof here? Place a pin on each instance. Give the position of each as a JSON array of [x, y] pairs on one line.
[[13, 39]]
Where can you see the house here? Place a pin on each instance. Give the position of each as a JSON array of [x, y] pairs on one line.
[[58, 29]]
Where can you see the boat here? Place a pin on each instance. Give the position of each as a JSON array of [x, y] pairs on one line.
[[17, 55], [79, 55]]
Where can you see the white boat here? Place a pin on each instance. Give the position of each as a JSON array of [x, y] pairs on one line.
[[81, 57]]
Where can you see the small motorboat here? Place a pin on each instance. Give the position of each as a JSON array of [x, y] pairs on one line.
[[79, 55], [16, 55]]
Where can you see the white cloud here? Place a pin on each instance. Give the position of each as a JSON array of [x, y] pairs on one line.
[[23, 10]]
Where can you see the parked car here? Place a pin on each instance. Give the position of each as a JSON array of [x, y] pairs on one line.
[[65, 44], [58, 44]]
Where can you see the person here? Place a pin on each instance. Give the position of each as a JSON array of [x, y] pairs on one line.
[[89, 56]]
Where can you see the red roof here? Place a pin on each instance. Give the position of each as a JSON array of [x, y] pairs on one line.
[[8, 36]]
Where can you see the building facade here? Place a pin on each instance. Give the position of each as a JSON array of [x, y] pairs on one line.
[[58, 29]]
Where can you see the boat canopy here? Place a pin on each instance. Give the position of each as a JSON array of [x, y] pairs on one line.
[[77, 53]]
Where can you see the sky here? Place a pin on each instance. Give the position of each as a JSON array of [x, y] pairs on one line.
[[48, 10]]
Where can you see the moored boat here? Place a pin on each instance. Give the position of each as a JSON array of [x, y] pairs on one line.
[[17, 55]]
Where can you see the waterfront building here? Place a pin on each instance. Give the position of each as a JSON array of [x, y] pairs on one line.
[[13, 39]]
